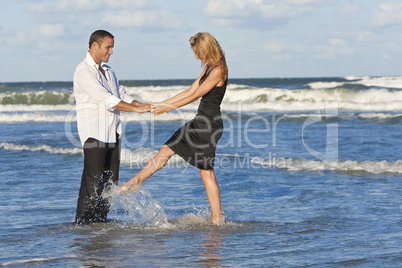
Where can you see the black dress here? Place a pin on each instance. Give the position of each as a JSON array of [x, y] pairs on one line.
[[196, 141]]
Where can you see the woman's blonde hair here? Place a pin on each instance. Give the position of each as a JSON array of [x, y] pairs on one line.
[[213, 53]]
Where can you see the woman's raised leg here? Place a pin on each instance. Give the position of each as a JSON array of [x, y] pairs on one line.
[[155, 164]]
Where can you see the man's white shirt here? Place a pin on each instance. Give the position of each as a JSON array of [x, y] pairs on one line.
[[96, 98]]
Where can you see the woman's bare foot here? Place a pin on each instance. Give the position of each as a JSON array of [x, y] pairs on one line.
[[131, 185], [218, 219]]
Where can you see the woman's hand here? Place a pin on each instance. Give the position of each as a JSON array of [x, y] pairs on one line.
[[143, 107], [160, 108]]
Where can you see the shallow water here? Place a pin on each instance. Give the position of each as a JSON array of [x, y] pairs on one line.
[[284, 207]]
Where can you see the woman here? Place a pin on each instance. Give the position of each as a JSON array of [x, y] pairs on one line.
[[196, 141]]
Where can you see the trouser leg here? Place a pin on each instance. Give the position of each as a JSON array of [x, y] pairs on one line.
[[101, 163], [110, 178]]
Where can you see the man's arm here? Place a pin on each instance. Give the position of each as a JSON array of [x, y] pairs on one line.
[[134, 106]]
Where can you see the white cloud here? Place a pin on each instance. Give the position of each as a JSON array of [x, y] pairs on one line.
[[126, 3], [37, 8], [337, 41], [85, 5], [52, 30], [335, 48], [369, 37], [303, 2], [142, 18], [350, 8], [264, 8], [222, 22], [272, 47], [388, 14], [241, 11], [110, 13], [234, 8], [284, 10], [18, 38]]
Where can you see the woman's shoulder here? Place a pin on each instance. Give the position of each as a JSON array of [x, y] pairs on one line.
[[216, 71]]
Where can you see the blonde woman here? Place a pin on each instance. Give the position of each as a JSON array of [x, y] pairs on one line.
[[196, 141]]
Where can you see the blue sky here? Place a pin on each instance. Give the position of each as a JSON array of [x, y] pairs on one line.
[[43, 40]]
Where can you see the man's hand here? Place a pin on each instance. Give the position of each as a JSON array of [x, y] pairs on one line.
[[142, 107], [134, 106]]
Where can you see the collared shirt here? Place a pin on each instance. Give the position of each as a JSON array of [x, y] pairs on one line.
[[96, 98]]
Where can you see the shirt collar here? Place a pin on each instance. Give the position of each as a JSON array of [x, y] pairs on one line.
[[90, 61]]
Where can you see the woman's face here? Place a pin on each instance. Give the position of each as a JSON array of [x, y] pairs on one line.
[[199, 55]]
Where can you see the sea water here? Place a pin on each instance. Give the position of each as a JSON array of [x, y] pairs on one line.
[[309, 170]]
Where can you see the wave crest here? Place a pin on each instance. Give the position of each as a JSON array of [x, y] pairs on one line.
[[37, 97], [347, 166]]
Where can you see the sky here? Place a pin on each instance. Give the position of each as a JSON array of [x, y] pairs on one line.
[[44, 40]]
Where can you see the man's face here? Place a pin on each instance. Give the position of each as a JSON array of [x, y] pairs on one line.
[[103, 51]]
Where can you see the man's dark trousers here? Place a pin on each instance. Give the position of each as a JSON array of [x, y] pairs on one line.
[[101, 170]]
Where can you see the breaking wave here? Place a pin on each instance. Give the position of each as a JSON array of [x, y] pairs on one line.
[[184, 116], [347, 166], [141, 156], [45, 148], [352, 93]]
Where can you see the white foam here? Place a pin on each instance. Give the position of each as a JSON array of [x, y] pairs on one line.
[[154, 93], [380, 116], [381, 81], [352, 78], [384, 82], [35, 108], [33, 117], [176, 115], [45, 148], [374, 167], [324, 85], [36, 260], [384, 96]]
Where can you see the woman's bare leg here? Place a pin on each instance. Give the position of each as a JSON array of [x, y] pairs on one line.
[[213, 193], [155, 164]]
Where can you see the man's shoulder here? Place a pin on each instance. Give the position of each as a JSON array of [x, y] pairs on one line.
[[83, 66]]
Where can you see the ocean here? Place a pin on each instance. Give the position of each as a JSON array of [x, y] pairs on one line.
[[310, 173]]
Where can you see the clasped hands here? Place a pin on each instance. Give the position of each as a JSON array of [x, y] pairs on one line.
[[159, 108], [154, 108]]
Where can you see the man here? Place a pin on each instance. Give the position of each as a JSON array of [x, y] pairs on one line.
[[99, 98]]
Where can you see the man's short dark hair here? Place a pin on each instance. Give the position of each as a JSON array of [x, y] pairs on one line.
[[98, 37]]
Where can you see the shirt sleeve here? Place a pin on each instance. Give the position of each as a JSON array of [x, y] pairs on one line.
[[124, 96], [88, 82]]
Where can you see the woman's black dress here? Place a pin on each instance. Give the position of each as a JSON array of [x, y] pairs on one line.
[[196, 141]]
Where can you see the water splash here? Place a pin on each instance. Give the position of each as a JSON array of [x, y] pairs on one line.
[[136, 207]]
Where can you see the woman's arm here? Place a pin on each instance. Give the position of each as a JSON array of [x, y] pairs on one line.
[[191, 95], [184, 93]]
